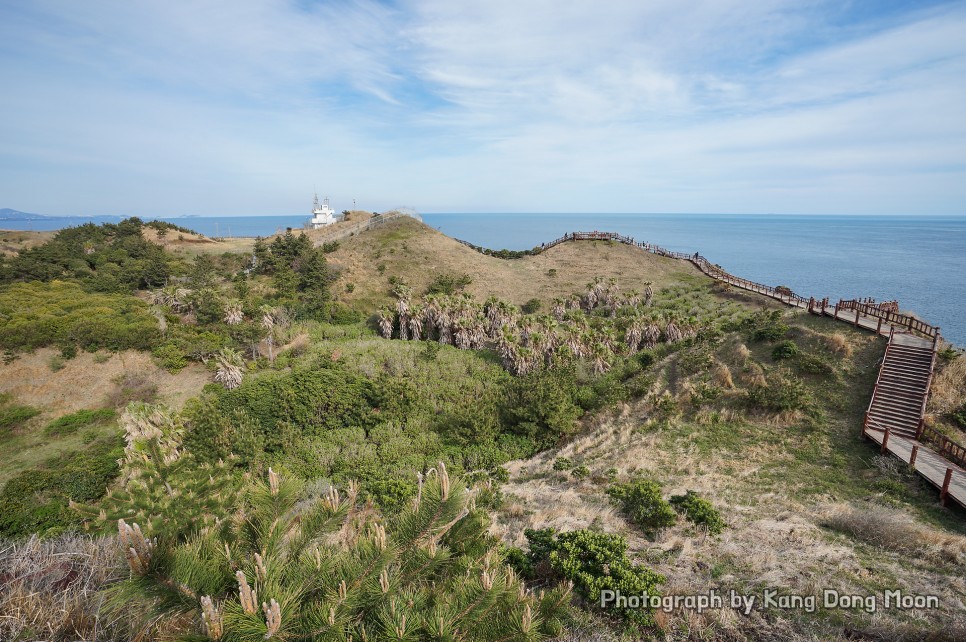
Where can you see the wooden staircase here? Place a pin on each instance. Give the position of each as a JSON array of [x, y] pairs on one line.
[[900, 393]]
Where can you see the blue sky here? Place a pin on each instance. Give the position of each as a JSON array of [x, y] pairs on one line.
[[244, 107]]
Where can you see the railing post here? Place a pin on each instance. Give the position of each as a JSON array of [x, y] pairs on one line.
[[944, 493], [919, 429], [878, 326], [885, 442], [857, 316], [913, 455]]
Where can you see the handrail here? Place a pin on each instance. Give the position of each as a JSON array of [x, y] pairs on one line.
[[948, 448], [887, 311]]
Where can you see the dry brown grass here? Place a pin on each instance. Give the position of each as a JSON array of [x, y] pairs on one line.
[[83, 383], [948, 390], [895, 531], [12, 241], [722, 376], [417, 253], [49, 589], [838, 343]]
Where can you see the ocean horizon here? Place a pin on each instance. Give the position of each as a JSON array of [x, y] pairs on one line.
[[918, 260]]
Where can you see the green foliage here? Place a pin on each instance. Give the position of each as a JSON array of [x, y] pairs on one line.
[[959, 416], [33, 315], [316, 401], [302, 567], [448, 283], [699, 511], [765, 325], [594, 562], [781, 393], [580, 472], [165, 488], [562, 463], [813, 364], [642, 502], [170, 356], [36, 500], [69, 424], [106, 258], [13, 417], [531, 307], [786, 349], [541, 406]]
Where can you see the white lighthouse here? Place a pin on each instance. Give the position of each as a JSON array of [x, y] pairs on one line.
[[322, 215]]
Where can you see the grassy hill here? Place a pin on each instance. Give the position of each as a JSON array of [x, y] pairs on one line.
[[416, 253]]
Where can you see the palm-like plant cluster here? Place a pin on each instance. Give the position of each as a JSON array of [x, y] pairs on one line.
[[598, 326], [289, 567]]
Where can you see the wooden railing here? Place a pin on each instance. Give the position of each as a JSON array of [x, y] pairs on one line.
[[948, 448], [888, 312]]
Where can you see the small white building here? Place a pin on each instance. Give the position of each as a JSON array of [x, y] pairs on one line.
[[323, 215]]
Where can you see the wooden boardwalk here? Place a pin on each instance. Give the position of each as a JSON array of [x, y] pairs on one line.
[[949, 478]]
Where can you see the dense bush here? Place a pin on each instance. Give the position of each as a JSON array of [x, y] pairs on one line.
[[34, 315], [786, 349], [765, 325], [541, 406], [531, 306], [959, 416], [699, 511], [642, 502], [781, 393], [593, 561], [448, 283], [36, 500]]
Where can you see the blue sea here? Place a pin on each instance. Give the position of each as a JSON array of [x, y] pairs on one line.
[[919, 260]]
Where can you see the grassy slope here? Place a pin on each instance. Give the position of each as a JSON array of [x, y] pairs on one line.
[[780, 481], [88, 381]]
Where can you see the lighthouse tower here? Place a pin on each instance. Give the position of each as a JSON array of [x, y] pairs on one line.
[[322, 215]]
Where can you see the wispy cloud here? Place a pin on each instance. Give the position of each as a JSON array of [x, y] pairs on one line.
[[716, 105]]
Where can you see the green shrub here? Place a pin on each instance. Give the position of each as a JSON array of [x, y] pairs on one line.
[[959, 416], [448, 283], [562, 463], [784, 350], [765, 325], [699, 511], [69, 424], [641, 501], [580, 472], [540, 406], [57, 313], [813, 364], [170, 356], [14, 417], [594, 562], [56, 363], [37, 500], [780, 394], [531, 307]]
